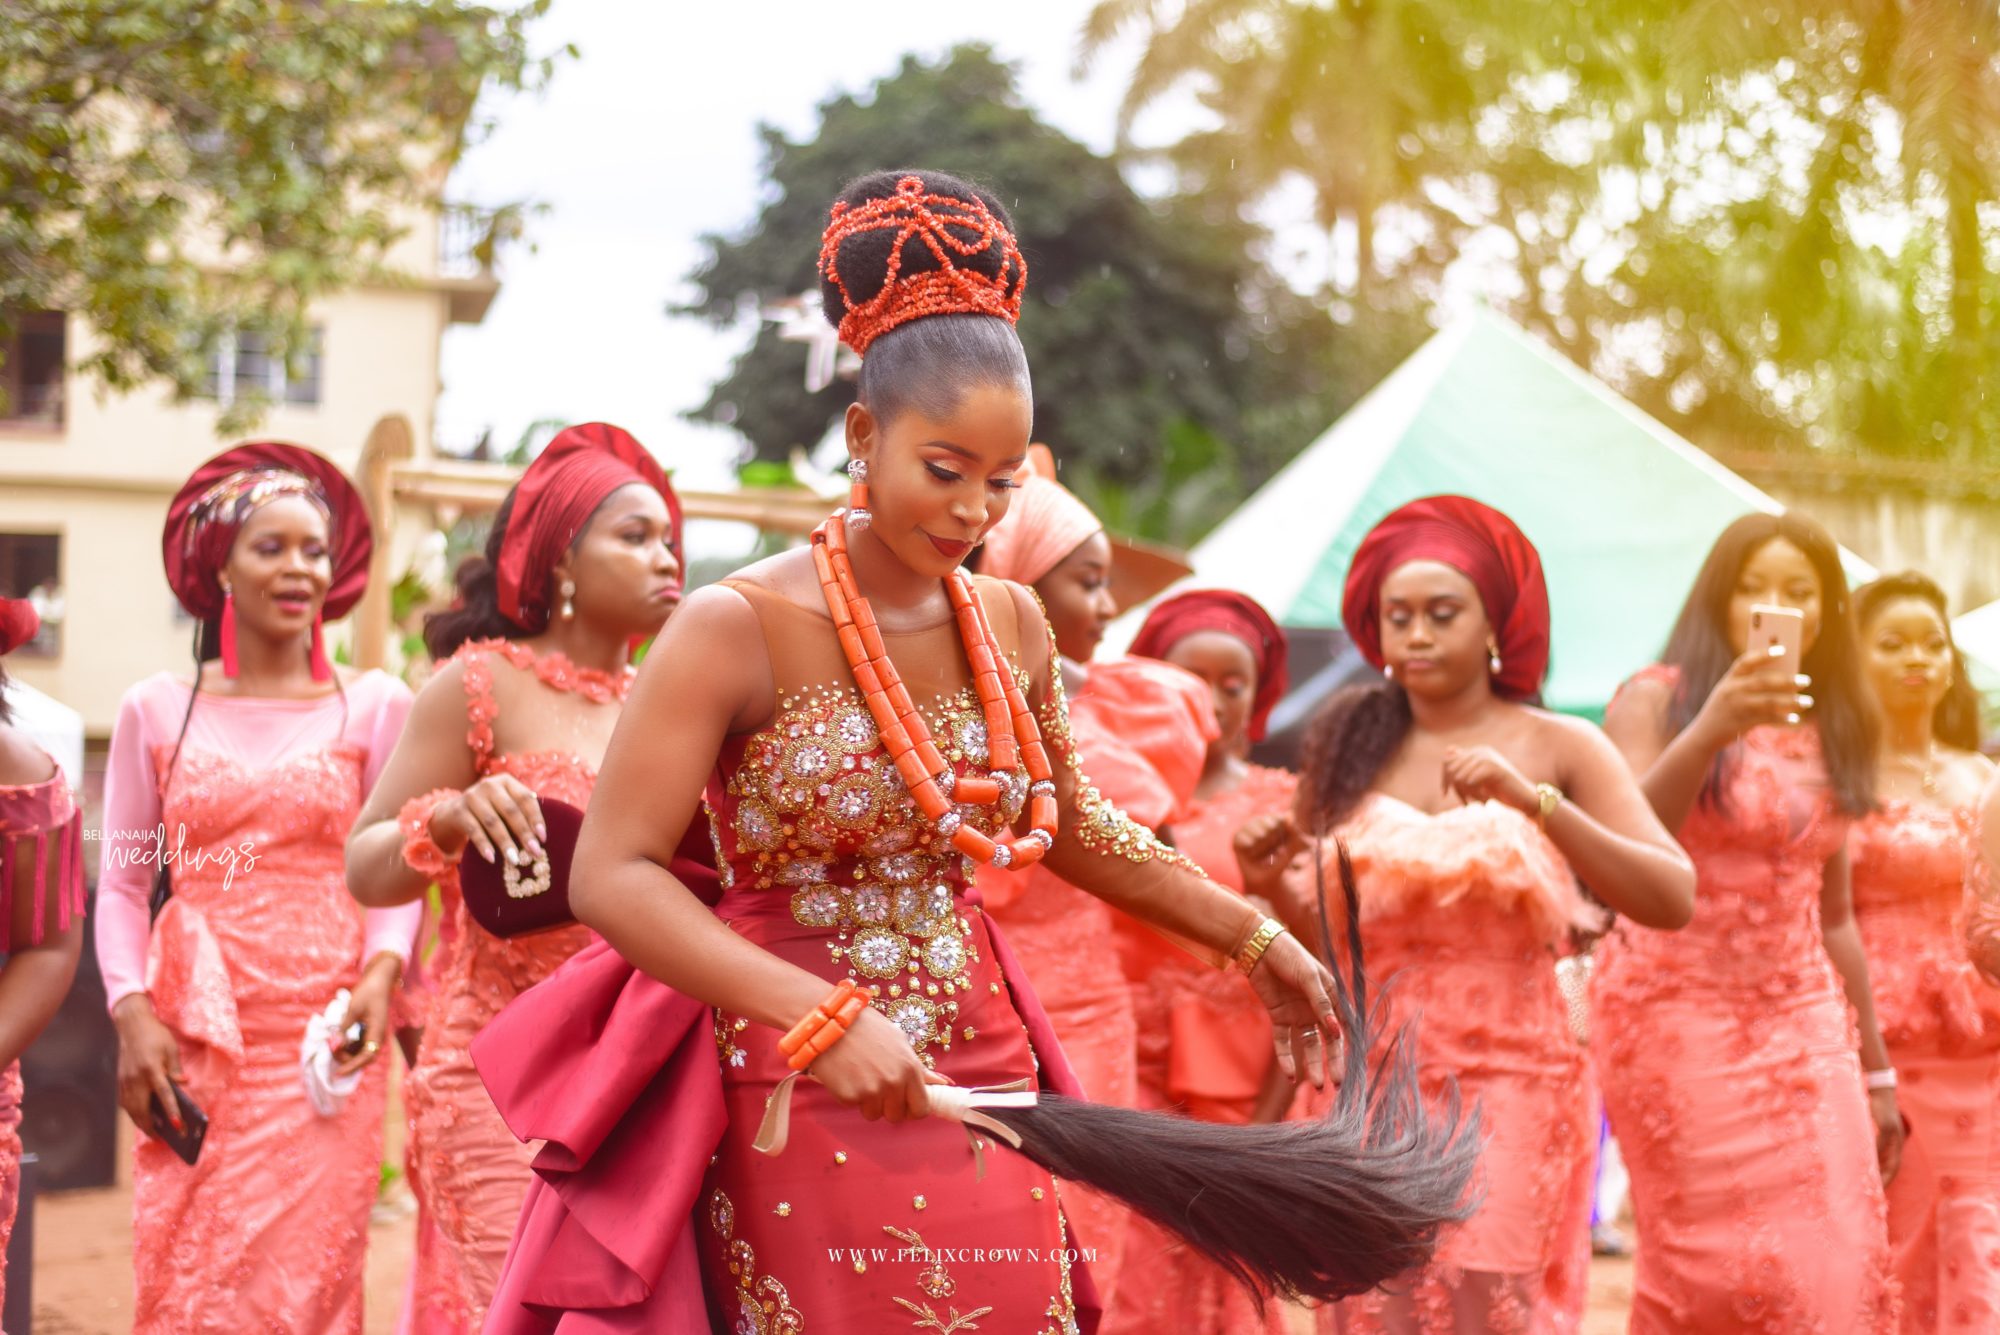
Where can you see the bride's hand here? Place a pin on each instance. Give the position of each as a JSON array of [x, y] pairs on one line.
[[1298, 991]]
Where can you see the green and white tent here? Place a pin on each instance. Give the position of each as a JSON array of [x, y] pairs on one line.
[[1622, 509]]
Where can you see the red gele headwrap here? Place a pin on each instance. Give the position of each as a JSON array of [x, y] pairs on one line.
[[936, 221], [1234, 614], [1487, 548], [556, 497], [212, 505], [18, 623]]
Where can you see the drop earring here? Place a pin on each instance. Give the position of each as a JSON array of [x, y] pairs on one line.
[[1389, 671], [226, 634], [1493, 658], [568, 600], [857, 493]]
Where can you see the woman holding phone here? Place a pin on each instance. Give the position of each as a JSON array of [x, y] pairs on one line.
[[243, 779], [1756, 1142]]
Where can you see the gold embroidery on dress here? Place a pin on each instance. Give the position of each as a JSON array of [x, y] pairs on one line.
[[824, 815], [1100, 826], [726, 1029], [1062, 1307], [763, 1306], [937, 1284]]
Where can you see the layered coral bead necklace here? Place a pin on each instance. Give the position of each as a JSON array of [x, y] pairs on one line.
[[1013, 739]]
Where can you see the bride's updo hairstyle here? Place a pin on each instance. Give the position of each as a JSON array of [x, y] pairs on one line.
[[920, 273]]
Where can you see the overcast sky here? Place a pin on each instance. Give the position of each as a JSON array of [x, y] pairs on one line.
[[649, 140]]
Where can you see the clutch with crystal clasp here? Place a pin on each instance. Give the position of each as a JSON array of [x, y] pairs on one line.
[[511, 900]]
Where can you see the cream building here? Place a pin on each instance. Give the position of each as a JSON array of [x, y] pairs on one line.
[[85, 477]]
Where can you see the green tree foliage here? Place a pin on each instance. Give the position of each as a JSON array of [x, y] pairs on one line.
[[170, 169], [1774, 225], [1172, 371]]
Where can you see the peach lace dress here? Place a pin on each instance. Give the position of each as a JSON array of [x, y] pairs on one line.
[[268, 1230], [1942, 1024], [1204, 1046], [1463, 914], [467, 1168], [1141, 729], [1728, 1057]]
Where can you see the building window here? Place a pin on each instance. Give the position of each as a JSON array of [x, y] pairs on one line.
[[31, 370], [31, 568], [245, 365]]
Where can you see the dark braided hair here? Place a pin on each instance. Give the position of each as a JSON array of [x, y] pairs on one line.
[[1356, 733], [928, 364], [476, 614], [1956, 721]]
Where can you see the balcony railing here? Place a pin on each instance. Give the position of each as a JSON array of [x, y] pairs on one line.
[[467, 239]]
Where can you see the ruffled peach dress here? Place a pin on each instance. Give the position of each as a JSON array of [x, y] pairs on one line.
[[468, 1170], [1204, 1047], [1141, 730], [1463, 914], [1728, 1057], [1942, 1024]]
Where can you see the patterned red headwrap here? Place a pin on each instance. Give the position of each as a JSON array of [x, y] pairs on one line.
[[1234, 614], [556, 497], [209, 510], [18, 623], [951, 229], [1487, 548]]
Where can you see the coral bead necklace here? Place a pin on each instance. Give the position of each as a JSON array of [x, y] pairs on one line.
[[1013, 739]]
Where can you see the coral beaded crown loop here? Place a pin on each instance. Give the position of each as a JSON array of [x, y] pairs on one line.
[[1013, 739], [941, 223]]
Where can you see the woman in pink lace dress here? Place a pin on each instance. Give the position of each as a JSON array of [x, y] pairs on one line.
[[1204, 1041], [243, 781], [1910, 862], [1727, 1053], [1474, 820], [1141, 729], [41, 909], [583, 561]]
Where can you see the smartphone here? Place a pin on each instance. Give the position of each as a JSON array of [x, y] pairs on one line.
[[1784, 627], [352, 1040], [194, 1123]]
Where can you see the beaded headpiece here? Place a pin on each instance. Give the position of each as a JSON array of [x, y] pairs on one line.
[[953, 230]]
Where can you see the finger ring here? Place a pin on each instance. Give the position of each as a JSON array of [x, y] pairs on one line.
[[371, 1047]]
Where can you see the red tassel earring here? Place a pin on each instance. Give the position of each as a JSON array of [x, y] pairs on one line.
[[321, 669], [857, 494], [228, 635]]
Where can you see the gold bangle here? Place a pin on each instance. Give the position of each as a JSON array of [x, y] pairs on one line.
[[1550, 798], [1260, 941]]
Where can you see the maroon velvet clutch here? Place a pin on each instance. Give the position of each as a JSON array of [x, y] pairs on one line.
[[517, 901]]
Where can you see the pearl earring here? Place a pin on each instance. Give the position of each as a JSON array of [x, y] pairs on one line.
[[568, 603], [1493, 659], [1389, 671]]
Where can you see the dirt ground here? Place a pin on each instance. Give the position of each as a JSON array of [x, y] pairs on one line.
[[83, 1265]]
